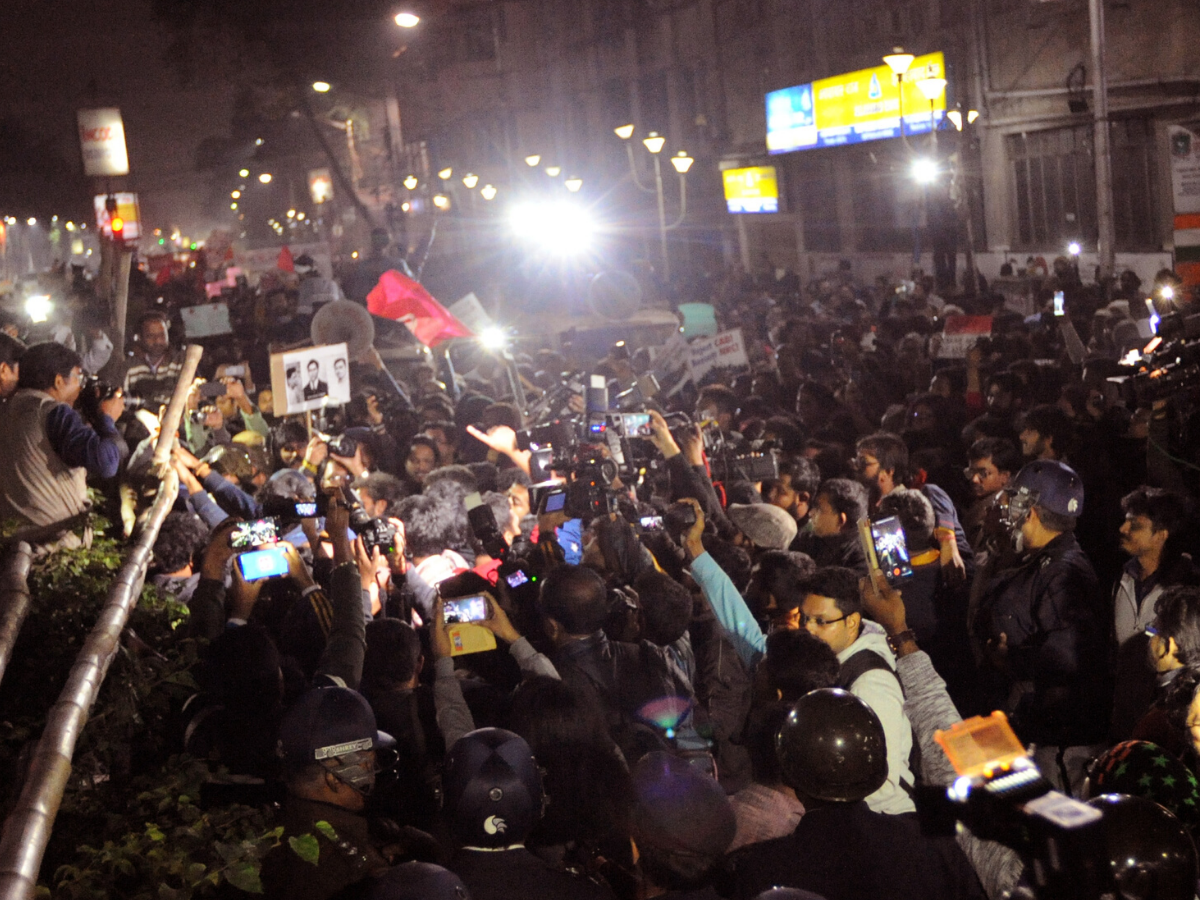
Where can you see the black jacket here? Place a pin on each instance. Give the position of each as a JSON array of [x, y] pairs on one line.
[[501, 875], [844, 851], [843, 549], [1055, 620]]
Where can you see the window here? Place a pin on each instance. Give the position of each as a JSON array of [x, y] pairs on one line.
[[1054, 182]]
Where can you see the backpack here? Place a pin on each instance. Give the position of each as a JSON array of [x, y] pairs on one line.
[[854, 668]]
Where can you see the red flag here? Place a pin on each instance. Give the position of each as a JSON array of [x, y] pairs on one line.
[[285, 262], [401, 299]]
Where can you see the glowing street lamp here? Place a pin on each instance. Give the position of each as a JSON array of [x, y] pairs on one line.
[[553, 171], [574, 184], [265, 178], [624, 132], [654, 143], [532, 160], [411, 182], [899, 61], [470, 180], [321, 87], [682, 162], [407, 20], [441, 201], [243, 173], [446, 173], [488, 191], [924, 170]]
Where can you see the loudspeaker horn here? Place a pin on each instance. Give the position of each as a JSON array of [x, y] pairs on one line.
[[344, 321]]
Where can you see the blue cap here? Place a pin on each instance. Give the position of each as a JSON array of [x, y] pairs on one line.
[[1052, 485]]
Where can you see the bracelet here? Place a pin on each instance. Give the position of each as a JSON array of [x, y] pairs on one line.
[[895, 640]]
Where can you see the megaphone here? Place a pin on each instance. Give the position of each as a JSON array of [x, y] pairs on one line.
[[344, 321]]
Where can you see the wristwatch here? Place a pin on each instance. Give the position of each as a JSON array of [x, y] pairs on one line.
[[895, 640]]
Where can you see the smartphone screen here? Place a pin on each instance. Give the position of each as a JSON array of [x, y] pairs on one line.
[[636, 424], [516, 579], [555, 502], [306, 510], [1059, 304], [254, 534], [890, 549], [466, 609], [651, 523], [259, 564]]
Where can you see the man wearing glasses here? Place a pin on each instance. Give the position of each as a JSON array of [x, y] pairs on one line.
[[831, 611], [993, 463]]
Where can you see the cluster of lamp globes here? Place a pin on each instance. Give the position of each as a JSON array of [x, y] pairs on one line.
[[654, 143]]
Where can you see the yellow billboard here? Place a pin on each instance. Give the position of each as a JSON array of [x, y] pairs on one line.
[[754, 189], [858, 106]]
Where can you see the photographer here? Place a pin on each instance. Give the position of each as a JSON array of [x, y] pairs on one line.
[[213, 421], [48, 448]]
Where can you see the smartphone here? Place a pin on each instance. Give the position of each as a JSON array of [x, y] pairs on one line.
[[554, 500], [259, 564], [235, 371], [516, 579], [635, 425], [651, 523], [306, 509], [466, 609], [1059, 304], [210, 390], [891, 552], [254, 534]]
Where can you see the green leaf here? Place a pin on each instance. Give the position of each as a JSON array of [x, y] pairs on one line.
[[328, 830], [306, 847], [244, 876], [195, 872]]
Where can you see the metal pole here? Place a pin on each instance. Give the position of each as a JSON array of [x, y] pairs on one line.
[[174, 414], [662, 220], [1104, 196], [121, 303], [14, 600]]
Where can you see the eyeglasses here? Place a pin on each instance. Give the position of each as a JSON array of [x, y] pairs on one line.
[[819, 622], [862, 464], [981, 472]]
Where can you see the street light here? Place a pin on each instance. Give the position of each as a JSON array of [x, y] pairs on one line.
[[411, 182], [682, 162], [532, 160], [624, 132], [574, 183], [243, 173], [654, 142], [924, 170], [900, 62], [321, 87], [470, 180], [407, 20], [488, 191], [265, 178], [553, 171], [235, 194], [441, 201], [446, 173]]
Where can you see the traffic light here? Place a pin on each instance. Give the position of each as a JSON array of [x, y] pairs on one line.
[[118, 229]]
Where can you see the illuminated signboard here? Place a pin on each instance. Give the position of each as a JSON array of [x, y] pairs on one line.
[[751, 190], [858, 106]]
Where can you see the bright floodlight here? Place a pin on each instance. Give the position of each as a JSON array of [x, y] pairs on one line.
[[624, 132], [553, 171], [410, 182], [899, 61], [446, 173], [1167, 292], [924, 170], [654, 143], [532, 160], [321, 87], [265, 177], [492, 338], [1073, 248], [932, 88], [488, 191], [407, 20], [682, 162], [470, 180], [558, 228], [70, 226], [38, 308], [574, 184]]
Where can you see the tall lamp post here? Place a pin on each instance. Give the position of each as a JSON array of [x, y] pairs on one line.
[[654, 143], [900, 62]]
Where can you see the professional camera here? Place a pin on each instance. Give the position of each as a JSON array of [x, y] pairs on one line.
[[96, 391], [374, 532], [1170, 368]]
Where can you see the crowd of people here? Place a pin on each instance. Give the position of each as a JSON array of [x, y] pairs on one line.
[[672, 679]]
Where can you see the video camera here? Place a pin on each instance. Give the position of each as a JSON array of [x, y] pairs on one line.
[[96, 391], [1169, 367], [1001, 796]]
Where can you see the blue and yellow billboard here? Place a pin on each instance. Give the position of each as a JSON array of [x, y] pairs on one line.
[[751, 190], [858, 106]]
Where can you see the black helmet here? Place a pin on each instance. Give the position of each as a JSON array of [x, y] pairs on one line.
[[1151, 853], [416, 881], [831, 747], [492, 788]]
